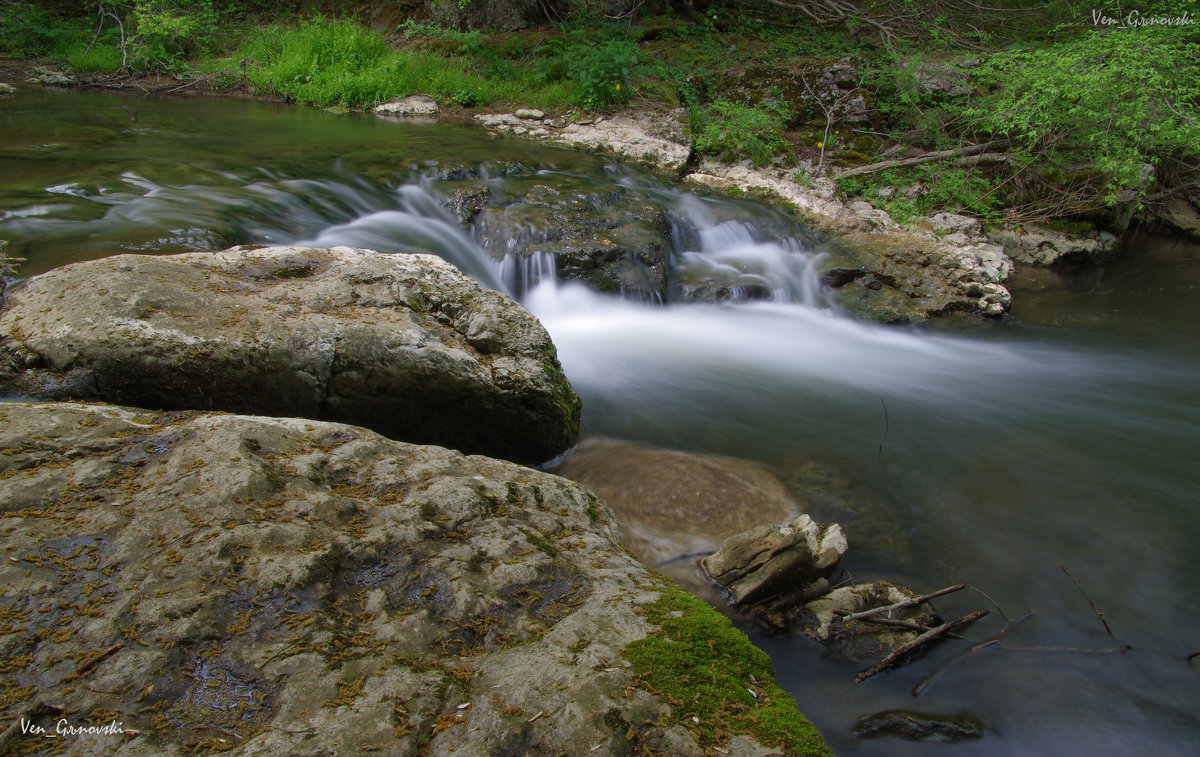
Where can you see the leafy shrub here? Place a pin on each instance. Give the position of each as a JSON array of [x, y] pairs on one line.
[[27, 30], [601, 71], [170, 31], [732, 130]]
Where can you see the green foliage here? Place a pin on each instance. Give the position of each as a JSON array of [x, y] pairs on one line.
[[601, 72], [733, 131], [98, 59], [1115, 98], [340, 63], [28, 30], [168, 32], [945, 188], [718, 683]]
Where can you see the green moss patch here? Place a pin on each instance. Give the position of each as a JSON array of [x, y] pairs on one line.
[[717, 682]]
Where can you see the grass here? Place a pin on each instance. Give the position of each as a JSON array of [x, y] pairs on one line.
[[340, 63], [718, 683]]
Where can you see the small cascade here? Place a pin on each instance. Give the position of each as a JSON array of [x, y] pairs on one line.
[[522, 273], [736, 259]]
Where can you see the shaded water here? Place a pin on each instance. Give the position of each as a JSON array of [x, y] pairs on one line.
[[1066, 434]]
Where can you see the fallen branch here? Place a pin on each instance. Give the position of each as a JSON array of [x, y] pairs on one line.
[[904, 603], [928, 157], [1092, 604], [974, 649], [906, 649]]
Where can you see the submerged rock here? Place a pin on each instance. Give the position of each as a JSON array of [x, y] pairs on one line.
[[822, 619], [770, 561], [7, 89], [670, 504], [403, 344], [918, 726], [283, 586]]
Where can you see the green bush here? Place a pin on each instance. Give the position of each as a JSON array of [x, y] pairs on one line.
[[601, 71], [28, 30], [170, 31], [732, 131], [1114, 98]]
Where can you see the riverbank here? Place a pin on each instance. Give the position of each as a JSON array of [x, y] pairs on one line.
[[874, 140]]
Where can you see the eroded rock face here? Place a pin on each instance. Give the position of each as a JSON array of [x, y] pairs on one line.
[[282, 586], [1041, 246], [403, 344]]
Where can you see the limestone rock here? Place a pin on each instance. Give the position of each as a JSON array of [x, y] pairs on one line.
[[1182, 212], [1042, 246], [413, 105], [532, 114], [282, 586], [403, 344], [768, 561], [822, 619], [7, 89], [657, 140], [952, 223], [50, 77]]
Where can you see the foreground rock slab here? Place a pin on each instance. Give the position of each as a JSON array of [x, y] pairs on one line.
[[403, 344], [281, 586]]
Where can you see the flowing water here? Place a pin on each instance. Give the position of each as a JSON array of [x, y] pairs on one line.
[[1065, 434]]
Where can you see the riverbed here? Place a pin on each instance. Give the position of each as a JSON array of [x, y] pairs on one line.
[[1065, 433]]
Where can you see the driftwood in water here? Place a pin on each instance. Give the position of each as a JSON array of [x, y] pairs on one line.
[[995, 641], [899, 654], [889, 609]]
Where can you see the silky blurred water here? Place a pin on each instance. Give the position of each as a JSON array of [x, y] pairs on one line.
[[1067, 433]]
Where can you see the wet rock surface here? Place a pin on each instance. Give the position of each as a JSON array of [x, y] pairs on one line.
[[406, 345], [1042, 246], [918, 726], [607, 237], [413, 106], [283, 586], [672, 505], [822, 619]]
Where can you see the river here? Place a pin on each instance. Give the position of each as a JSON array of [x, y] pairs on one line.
[[1066, 433]]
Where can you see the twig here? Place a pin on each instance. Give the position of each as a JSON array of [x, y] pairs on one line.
[[879, 456], [996, 605], [1092, 604], [1072, 650], [904, 603], [906, 649], [995, 641], [91, 662]]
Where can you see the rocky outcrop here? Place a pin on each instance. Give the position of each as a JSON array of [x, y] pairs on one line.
[[403, 344], [771, 561], [907, 274], [657, 141], [607, 238], [7, 89], [1038, 245], [281, 586]]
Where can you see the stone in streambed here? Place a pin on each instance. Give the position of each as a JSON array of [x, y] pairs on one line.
[[768, 561], [413, 106], [822, 619], [919, 726], [403, 344]]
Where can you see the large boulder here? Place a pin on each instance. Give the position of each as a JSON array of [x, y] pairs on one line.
[[200, 582], [403, 344]]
